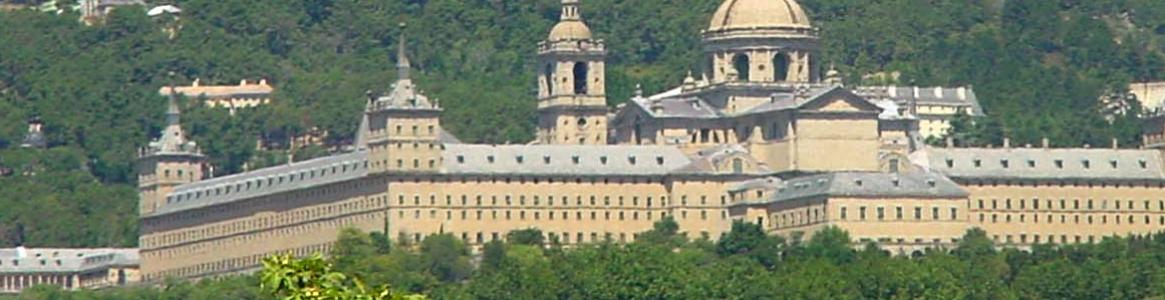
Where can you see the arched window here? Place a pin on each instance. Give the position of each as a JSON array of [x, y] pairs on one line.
[[740, 63], [580, 78], [548, 75], [781, 67]]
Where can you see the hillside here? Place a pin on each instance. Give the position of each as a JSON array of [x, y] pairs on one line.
[[1038, 67]]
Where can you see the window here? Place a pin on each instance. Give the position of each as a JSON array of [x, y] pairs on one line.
[[580, 78], [881, 213], [741, 65], [843, 213], [862, 212], [780, 67]]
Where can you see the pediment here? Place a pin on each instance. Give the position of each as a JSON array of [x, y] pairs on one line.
[[840, 100]]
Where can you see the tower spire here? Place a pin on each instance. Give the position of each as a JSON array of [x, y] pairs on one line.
[[172, 136], [402, 59]]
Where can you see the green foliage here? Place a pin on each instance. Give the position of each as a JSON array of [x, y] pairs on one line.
[[530, 236], [1038, 68], [826, 266], [312, 278]]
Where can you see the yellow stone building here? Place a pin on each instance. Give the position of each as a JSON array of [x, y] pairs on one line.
[[759, 137], [68, 269]]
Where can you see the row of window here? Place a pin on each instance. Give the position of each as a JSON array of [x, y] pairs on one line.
[[546, 159], [1075, 204], [219, 244], [1059, 163], [1045, 239], [508, 200], [550, 215], [1076, 219], [900, 213], [241, 225], [233, 264]]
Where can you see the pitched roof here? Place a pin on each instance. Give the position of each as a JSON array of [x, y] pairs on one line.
[[1040, 163], [62, 260], [562, 159], [855, 185], [277, 179]]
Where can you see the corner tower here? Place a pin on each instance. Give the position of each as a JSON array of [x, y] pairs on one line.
[[167, 162], [403, 128], [572, 101], [767, 41]]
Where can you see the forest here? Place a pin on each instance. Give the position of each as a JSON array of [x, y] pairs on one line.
[[745, 263], [1037, 66]]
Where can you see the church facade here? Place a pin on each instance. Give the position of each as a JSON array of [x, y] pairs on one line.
[[761, 136]]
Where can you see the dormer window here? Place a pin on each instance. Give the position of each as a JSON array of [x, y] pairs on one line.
[[858, 182], [519, 159], [1004, 163], [1086, 163], [603, 160], [1031, 163], [896, 182], [978, 163], [1144, 164], [1059, 164], [659, 160], [490, 159], [574, 159], [930, 182], [950, 163], [1113, 163], [631, 160], [546, 159], [461, 159]]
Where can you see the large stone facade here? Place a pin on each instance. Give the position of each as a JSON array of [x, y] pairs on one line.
[[760, 137]]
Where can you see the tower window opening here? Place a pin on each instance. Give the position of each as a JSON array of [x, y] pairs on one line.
[[548, 73], [580, 78], [781, 67], [741, 64]]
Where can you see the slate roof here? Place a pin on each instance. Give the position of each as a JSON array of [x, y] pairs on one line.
[[1040, 163], [676, 104], [562, 159], [284, 178], [856, 185], [943, 96], [54, 260]]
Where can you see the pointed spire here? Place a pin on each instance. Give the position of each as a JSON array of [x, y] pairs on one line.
[[402, 59], [570, 11]]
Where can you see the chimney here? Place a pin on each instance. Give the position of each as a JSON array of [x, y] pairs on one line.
[[962, 92], [1087, 146], [1006, 143], [916, 92], [243, 82], [893, 91], [950, 142], [1045, 142], [1115, 144], [938, 92], [263, 81]]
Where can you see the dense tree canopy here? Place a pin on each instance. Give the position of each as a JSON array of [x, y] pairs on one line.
[[825, 266], [1037, 66]]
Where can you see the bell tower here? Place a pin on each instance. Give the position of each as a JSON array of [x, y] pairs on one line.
[[167, 162], [572, 101]]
